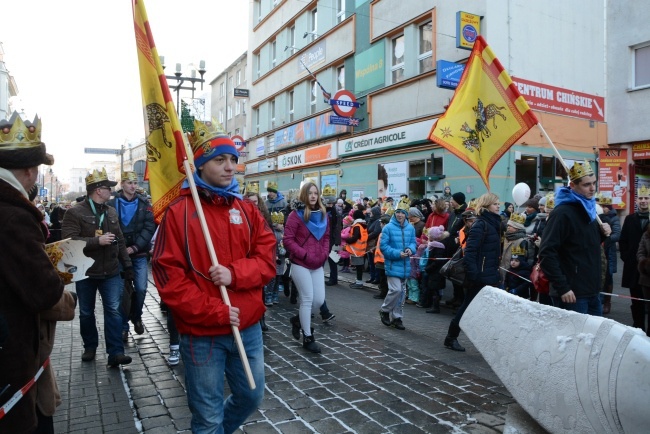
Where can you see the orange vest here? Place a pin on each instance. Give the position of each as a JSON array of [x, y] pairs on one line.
[[358, 248], [462, 238], [379, 257]]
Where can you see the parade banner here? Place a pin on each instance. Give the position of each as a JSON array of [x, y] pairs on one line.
[[166, 148], [613, 176], [486, 116]]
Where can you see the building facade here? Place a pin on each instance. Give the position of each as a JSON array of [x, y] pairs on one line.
[[385, 53]]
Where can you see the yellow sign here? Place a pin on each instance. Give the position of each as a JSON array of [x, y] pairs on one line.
[[468, 27]]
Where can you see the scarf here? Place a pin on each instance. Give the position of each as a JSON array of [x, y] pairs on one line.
[[277, 199], [231, 191], [126, 209], [316, 224], [435, 244], [566, 195], [519, 233]]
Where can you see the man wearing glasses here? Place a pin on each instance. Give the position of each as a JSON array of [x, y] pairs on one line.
[[96, 223]]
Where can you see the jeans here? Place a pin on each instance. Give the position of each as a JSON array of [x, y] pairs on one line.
[[110, 290], [206, 359], [140, 285], [587, 305]]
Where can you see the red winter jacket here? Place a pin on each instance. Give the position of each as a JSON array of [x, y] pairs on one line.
[[244, 244]]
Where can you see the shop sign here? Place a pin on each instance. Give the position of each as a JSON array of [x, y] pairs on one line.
[[613, 175], [304, 157], [391, 138], [641, 151]]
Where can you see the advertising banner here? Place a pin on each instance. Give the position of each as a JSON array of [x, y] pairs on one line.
[[641, 151], [392, 179], [613, 176]]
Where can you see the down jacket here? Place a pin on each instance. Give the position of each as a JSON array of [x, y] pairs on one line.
[[395, 239], [483, 250]]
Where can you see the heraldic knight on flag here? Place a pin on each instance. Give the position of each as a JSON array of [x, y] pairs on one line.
[[486, 116], [166, 148]]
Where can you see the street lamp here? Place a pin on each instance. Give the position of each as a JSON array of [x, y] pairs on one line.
[[179, 80], [51, 183]]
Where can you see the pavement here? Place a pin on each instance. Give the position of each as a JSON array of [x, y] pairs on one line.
[[369, 378]]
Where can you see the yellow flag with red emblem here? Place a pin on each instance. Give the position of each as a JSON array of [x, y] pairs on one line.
[[486, 116], [166, 147]]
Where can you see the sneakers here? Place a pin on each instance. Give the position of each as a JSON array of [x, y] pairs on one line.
[[88, 355], [295, 327], [397, 324], [356, 285], [174, 357], [138, 327], [452, 344], [268, 299], [309, 343], [328, 317], [385, 318], [118, 359], [276, 297]]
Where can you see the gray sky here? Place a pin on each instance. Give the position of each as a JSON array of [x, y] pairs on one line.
[[75, 63]]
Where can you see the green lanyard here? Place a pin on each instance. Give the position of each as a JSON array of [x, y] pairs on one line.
[[101, 218]]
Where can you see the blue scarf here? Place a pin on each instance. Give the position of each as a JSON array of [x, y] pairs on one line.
[[277, 199], [127, 210], [231, 191], [316, 224], [566, 195]]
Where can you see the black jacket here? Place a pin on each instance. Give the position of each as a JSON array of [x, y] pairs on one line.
[[483, 251], [628, 244], [456, 222], [570, 252], [141, 228], [336, 226], [518, 283]]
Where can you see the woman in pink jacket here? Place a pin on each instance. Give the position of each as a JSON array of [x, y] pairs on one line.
[[306, 239]]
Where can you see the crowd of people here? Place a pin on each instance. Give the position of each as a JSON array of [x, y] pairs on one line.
[[258, 248]]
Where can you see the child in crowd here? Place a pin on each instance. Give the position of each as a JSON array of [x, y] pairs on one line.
[[434, 282], [379, 262], [272, 290], [517, 280], [343, 253], [413, 282]]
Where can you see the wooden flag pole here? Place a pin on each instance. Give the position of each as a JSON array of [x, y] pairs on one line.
[[215, 262], [557, 153]]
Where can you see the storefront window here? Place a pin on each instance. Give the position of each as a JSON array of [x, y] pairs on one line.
[[416, 186]]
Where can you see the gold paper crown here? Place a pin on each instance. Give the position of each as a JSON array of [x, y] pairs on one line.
[[16, 134], [129, 176], [271, 184], [550, 201], [350, 201], [204, 132], [253, 187], [96, 176], [603, 200], [579, 170], [404, 205], [643, 191], [472, 204], [277, 217], [518, 251], [329, 190], [446, 184], [517, 218]]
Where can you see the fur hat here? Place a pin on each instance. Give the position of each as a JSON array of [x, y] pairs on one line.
[[458, 197], [437, 233]]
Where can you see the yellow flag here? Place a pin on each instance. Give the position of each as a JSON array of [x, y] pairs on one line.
[[486, 116], [166, 147]]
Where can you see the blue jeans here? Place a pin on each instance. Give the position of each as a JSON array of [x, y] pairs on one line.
[[110, 290], [140, 285], [206, 359], [587, 305]]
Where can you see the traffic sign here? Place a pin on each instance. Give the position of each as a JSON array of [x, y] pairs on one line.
[[43, 192], [102, 151], [344, 103], [342, 120], [240, 144]]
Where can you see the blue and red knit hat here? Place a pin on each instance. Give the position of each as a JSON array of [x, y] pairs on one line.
[[209, 141]]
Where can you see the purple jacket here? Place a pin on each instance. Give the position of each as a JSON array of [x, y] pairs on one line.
[[303, 248]]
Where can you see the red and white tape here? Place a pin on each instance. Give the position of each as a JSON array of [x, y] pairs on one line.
[[23, 391]]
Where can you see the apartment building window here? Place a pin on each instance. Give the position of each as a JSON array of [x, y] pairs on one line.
[[222, 89], [340, 10], [340, 78], [243, 107], [292, 37], [257, 8], [272, 111], [221, 116], [275, 2], [314, 23], [642, 65], [291, 105], [236, 131], [274, 52], [257, 65], [230, 81], [425, 49], [397, 59], [238, 75], [237, 107], [229, 112], [312, 96], [256, 119]]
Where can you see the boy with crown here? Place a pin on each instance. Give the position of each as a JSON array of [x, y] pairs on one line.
[[31, 291], [570, 249], [96, 223], [138, 226], [515, 238], [517, 280], [275, 201], [189, 284]]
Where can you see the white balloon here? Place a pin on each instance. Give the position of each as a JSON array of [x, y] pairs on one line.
[[520, 193]]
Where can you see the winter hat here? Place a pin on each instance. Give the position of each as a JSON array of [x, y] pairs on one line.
[[517, 221], [208, 140], [542, 201], [414, 212], [438, 233], [458, 197], [506, 205], [358, 215], [347, 220], [384, 219], [533, 203]]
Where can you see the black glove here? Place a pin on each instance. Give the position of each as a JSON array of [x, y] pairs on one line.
[[128, 274]]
